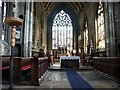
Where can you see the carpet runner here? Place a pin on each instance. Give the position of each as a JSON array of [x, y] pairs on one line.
[[76, 81]]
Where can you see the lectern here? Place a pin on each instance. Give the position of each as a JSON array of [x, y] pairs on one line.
[[12, 22]]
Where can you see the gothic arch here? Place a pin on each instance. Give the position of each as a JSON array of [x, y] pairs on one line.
[[74, 17]]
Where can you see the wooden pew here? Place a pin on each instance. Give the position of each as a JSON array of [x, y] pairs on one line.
[[5, 66], [38, 68], [108, 65], [5, 61], [20, 65]]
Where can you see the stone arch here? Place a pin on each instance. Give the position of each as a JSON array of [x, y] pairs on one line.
[[75, 21]]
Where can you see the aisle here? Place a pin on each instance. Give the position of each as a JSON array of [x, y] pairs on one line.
[[57, 78]]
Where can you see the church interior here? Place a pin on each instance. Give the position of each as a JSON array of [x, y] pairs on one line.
[[59, 45]]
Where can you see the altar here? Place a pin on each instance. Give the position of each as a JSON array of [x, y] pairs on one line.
[[69, 61]]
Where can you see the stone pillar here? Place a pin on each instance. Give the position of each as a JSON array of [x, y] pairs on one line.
[[118, 31], [26, 29], [44, 30], [74, 38], [49, 36], [30, 30], [77, 48], [82, 20], [41, 27], [1, 32], [91, 16], [37, 31], [106, 29], [109, 29], [112, 30], [117, 24], [0, 20]]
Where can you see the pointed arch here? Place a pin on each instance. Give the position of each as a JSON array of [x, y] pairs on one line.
[[73, 16], [62, 31]]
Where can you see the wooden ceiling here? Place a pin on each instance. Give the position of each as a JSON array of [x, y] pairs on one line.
[[77, 6]]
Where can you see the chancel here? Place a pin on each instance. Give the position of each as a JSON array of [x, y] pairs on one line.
[[60, 45]]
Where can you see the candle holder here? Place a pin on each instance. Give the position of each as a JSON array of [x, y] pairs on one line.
[[12, 22]]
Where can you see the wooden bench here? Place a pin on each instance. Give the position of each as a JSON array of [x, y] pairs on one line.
[[108, 65], [20, 64], [38, 67], [5, 66], [5, 62]]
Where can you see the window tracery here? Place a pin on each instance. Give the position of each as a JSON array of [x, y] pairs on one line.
[[62, 31]]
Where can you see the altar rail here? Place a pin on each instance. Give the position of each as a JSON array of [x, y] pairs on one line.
[[108, 65], [37, 67]]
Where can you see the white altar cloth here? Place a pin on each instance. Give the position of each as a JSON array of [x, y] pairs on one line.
[[70, 58]]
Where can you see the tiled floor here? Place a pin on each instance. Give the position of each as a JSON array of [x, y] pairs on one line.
[[56, 78], [98, 81]]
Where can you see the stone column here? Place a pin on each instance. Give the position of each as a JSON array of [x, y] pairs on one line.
[[112, 30], [82, 20], [30, 30], [1, 32], [91, 16], [37, 33], [109, 29], [26, 29], [118, 33], [44, 43], [117, 25], [74, 38], [0, 20], [106, 29]]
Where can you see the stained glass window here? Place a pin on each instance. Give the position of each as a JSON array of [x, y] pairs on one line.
[[86, 37], [62, 31], [101, 30]]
